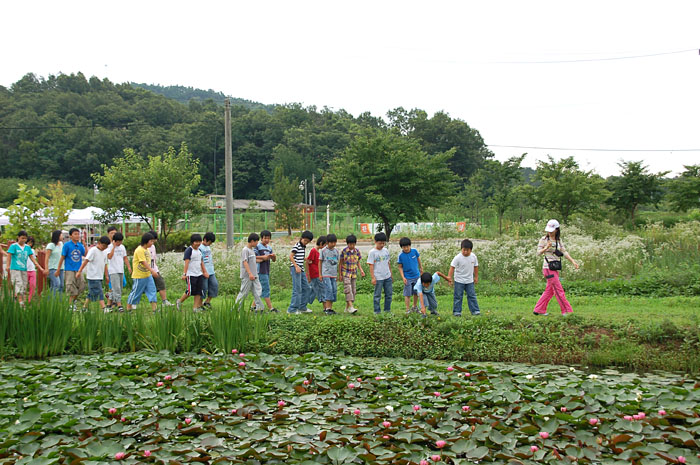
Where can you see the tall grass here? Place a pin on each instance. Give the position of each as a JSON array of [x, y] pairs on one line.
[[87, 324], [112, 332], [163, 329], [235, 327], [42, 328]]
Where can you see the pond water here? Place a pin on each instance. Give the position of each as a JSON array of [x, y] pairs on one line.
[[315, 408]]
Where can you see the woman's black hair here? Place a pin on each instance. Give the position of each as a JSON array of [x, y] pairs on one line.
[[557, 236], [56, 237]]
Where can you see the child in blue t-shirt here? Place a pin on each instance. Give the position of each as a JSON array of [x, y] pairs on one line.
[[410, 268], [18, 254], [425, 289]]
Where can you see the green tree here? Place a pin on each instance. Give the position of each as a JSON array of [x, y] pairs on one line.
[[634, 187], [684, 191], [26, 211], [58, 206], [501, 183], [566, 189], [287, 196], [161, 186], [388, 176]]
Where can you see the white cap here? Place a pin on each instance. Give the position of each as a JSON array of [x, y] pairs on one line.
[[551, 226]]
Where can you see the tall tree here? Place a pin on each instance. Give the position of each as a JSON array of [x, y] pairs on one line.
[[684, 191], [634, 187], [162, 186], [501, 182], [388, 176], [566, 189], [39, 215], [287, 196]]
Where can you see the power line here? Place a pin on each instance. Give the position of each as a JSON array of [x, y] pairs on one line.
[[591, 149], [628, 57]]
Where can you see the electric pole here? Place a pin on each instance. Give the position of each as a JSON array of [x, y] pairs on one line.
[[229, 175]]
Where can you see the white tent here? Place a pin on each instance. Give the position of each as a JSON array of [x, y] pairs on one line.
[[77, 216], [4, 220]]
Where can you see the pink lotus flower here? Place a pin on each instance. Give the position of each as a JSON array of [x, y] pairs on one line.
[[416, 408], [424, 462], [359, 380], [123, 419], [628, 417], [386, 424], [436, 394], [119, 455], [377, 378], [188, 421], [306, 382], [450, 368], [642, 415], [435, 458], [662, 412], [357, 411], [351, 386], [544, 434], [465, 408], [385, 437], [281, 403], [636, 417], [563, 409], [147, 453], [681, 459], [593, 421], [234, 411], [467, 374], [159, 384], [168, 377], [440, 444], [242, 364], [241, 355], [112, 411], [534, 448], [234, 351]]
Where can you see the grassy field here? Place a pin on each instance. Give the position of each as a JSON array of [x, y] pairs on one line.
[[682, 311]]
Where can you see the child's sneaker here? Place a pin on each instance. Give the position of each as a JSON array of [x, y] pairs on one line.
[[351, 310], [199, 310], [330, 311], [206, 305], [120, 309], [274, 310], [107, 309], [307, 310], [178, 304], [167, 303]]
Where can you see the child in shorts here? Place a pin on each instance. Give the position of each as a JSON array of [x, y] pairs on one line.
[[425, 289], [349, 265], [249, 273], [194, 273], [18, 254], [265, 255], [96, 265], [329, 259], [210, 286]]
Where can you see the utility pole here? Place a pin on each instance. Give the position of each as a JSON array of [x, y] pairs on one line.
[[313, 186], [229, 174]]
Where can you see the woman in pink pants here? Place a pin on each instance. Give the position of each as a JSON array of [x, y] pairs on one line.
[[553, 250]]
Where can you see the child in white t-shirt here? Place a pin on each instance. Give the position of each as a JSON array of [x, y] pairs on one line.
[[194, 273], [95, 266], [464, 273], [116, 257]]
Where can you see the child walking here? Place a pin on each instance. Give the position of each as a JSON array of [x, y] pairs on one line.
[[157, 278], [380, 271], [54, 255], [72, 254], [97, 267], [249, 274], [330, 257], [425, 288], [116, 257], [18, 254], [313, 272], [300, 286], [265, 255], [210, 286], [31, 269], [194, 273], [465, 271], [349, 265], [410, 268], [143, 275]]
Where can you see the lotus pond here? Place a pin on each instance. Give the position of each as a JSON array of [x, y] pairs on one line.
[[257, 408]]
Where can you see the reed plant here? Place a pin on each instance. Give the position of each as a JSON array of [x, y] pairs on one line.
[[111, 336], [235, 327], [163, 330], [42, 327]]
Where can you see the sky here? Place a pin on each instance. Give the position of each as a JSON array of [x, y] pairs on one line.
[[546, 74]]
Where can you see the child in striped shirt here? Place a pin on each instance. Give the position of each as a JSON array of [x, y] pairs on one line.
[[300, 286]]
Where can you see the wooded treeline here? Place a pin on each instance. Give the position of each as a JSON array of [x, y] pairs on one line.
[[65, 127]]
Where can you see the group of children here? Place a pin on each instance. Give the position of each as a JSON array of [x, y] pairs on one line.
[[315, 276]]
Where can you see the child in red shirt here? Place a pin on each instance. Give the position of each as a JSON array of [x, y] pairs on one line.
[[312, 272]]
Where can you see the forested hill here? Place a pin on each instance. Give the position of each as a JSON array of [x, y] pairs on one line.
[[184, 94], [66, 126]]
